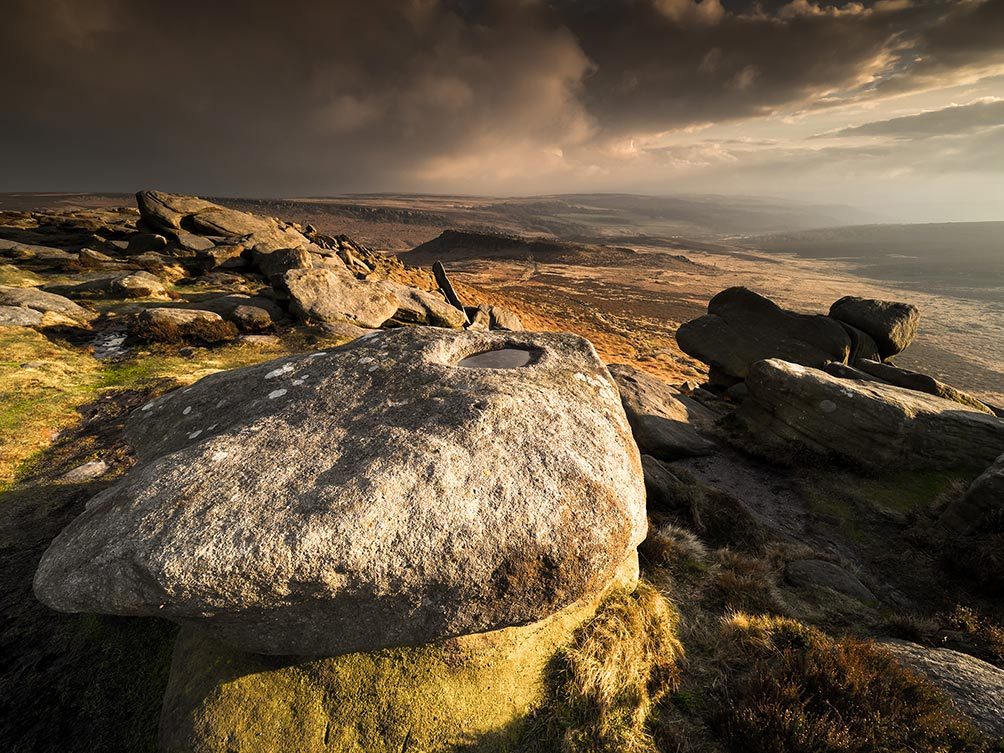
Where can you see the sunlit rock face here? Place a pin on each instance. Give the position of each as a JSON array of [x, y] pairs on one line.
[[374, 495]]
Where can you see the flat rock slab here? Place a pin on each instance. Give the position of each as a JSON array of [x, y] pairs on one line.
[[743, 327], [660, 416], [975, 687], [43, 302], [875, 425], [370, 496]]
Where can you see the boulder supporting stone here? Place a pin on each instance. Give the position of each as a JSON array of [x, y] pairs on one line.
[[892, 325], [743, 327]]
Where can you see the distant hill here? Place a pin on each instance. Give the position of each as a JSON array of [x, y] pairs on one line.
[[457, 245], [939, 256]]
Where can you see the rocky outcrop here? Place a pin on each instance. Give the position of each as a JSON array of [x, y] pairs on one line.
[[370, 496], [120, 285], [913, 380], [983, 499], [742, 327], [872, 424], [20, 316], [170, 213], [334, 295], [974, 686], [175, 325], [892, 325], [416, 306], [660, 417], [44, 303]]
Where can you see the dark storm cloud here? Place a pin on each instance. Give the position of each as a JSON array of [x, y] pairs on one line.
[[957, 119], [311, 97]]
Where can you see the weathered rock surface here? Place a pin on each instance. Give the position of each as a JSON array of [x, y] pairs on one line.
[[913, 380], [983, 499], [40, 300], [660, 417], [742, 327], [872, 424], [117, 285], [823, 574], [375, 495], [422, 307], [334, 295], [176, 324], [975, 687], [862, 345], [503, 318], [170, 213], [143, 242], [20, 316], [892, 325]]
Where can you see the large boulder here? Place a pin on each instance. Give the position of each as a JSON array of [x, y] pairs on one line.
[[330, 294], [660, 417], [45, 303], [982, 500], [175, 324], [873, 424], [171, 213], [415, 306], [892, 325], [375, 495], [913, 380], [974, 686], [742, 327]]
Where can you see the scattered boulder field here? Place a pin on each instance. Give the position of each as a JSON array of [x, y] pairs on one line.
[[446, 533]]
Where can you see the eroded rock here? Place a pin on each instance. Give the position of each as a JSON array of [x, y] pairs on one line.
[[873, 424], [892, 325], [743, 327], [659, 417], [43, 302], [374, 495]]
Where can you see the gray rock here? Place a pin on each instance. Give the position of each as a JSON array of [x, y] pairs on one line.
[[332, 295], [40, 300], [228, 256], [913, 380], [742, 327], [862, 344], [86, 472], [417, 306], [19, 316], [143, 242], [504, 319], [192, 242], [975, 687], [843, 371], [40, 255], [90, 259], [177, 324], [369, 496], [277, 263], [251, 318], [983, 499], [892, 325], [115, 285], [171, 212], [660, 419], [227, 306], [823, 574], [873, 424], [480, 318]]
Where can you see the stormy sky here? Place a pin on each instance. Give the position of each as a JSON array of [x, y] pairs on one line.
[[892, 105]]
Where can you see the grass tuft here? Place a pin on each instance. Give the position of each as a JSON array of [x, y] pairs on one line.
[[605, 685]]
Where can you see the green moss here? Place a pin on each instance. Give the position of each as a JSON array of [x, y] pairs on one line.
[[469, 693], [18, 278]]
